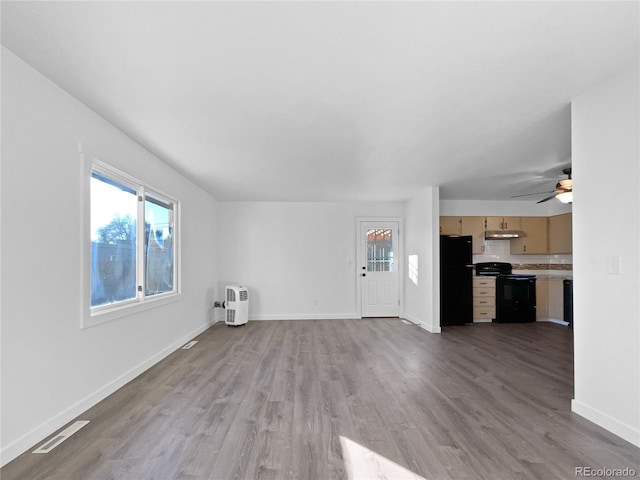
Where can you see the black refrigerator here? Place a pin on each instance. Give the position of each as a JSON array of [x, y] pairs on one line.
[[456, 280]]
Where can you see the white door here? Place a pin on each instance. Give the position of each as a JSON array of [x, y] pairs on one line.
[[378, 269]]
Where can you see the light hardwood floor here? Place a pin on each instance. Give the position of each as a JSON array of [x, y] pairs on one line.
[[272, 400]]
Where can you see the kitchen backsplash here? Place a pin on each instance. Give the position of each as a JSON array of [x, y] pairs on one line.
[[542, 266], [499, 251]]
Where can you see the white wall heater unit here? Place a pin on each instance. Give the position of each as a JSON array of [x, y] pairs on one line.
[[237, 305]]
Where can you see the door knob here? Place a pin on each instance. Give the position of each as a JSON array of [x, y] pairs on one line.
[[364, 274]]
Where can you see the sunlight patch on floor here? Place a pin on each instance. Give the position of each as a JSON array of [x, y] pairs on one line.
[[364, 464]]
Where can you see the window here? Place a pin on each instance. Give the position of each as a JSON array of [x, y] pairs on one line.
[[114, 208], [379, 250], [133, 258]]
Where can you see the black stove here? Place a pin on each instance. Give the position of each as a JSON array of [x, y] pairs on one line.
[[515, 293], [493, 269]]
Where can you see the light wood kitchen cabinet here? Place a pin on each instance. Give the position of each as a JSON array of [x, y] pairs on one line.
[[542, 299], [473, 226], [484, 298], [544, 235], [502, 223], [556, 299], [549, 299], [560, 234], [449, 225], [535, 239]]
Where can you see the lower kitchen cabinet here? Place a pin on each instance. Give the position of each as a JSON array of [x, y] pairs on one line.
[[556, 300], [542, 298], [549, 299], [484, 299]]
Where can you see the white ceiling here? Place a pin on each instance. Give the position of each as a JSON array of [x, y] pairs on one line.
[[336, 101]]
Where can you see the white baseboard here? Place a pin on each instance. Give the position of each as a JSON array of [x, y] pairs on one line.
[[41, 432], [429, 328], [606, 421], [307, 316]]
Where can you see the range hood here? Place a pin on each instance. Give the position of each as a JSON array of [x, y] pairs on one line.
[[503, 234]]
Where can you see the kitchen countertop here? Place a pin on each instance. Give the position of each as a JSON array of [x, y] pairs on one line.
[[547, 274]]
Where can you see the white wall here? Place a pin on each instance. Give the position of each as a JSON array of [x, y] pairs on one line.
[[606, 225], [51, 369], [422, 300], [501, 208], [298, 260]]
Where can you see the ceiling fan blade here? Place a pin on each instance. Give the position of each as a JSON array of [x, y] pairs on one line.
[[548, 198], [528, 194]]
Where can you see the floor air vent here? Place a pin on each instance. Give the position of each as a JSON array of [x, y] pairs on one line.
[[190, 344], [60, 437]]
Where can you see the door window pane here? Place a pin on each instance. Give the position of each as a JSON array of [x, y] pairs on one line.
[[113, 241], [158, 246], [379, 250]]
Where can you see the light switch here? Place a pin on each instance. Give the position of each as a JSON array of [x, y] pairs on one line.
[[614, 265]]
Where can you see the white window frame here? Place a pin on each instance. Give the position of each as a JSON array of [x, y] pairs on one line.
[[103, 313]]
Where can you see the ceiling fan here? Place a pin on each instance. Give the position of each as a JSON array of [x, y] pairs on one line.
[[563, 191]]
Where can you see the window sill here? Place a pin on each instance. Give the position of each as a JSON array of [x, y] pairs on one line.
[[97, 318]]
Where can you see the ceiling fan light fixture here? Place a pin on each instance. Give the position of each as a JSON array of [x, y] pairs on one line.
[[565, 197], [565, 184], [563, 191]]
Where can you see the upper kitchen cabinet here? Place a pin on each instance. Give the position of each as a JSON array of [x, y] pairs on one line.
[[560, 239], [449, 225], [535, 239], [473, 226], [502, 223]]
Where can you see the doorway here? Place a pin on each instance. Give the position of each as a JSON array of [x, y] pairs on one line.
[[379, 263]]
